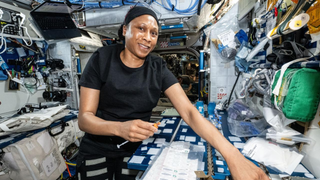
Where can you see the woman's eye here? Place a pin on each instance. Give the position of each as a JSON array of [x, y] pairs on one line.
[[140, 28]]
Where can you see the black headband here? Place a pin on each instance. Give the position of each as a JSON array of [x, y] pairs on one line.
[[139, 11]]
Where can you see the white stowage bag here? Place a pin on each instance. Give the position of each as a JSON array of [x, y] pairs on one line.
[[284, 159], [34, 158], [32, 121]]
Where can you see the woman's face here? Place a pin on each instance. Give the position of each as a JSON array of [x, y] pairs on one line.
[[141, 35]]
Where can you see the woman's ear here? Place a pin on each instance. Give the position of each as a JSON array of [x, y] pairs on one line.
[[124, 30]]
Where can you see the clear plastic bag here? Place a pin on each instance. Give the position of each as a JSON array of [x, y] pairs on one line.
[[178, 160], [243, 121], [223, 36]]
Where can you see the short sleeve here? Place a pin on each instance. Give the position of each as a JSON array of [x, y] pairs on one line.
[[90, 77], [168, 79]]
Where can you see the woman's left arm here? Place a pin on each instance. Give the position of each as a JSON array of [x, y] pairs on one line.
[[240, 167]]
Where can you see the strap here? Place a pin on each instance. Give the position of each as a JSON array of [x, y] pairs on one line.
[[5, 128], [276, 90], [293, 13]]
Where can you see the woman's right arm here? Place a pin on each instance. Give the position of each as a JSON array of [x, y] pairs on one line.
[[134, 131]]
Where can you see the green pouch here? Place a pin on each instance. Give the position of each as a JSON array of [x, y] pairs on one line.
[[299, 93]]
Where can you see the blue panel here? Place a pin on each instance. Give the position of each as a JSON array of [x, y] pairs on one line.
[[176, 26]]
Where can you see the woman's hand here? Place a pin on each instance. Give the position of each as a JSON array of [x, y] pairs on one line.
[[136, 130], [243, 169]]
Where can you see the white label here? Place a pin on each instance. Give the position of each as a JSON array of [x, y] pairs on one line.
[[218, 162], [49, 164], [226, 37], [221, 92], [167, 131], [234, 138], [220, 170], [30, 146]]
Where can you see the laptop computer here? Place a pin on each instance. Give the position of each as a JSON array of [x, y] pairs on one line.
[[54, 21]]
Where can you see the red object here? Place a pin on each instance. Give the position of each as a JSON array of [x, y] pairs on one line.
[[276, 11]]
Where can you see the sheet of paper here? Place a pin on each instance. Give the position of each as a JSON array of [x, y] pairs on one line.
[[174, 117], [162, 124], [170, 122], [167, 131], [158, 132], [144, 148], [218, 162], [153, 151], [234, 138], [184, 130], [146, 141], [182, 137], [301, 169], [136, 159], [190, 139], [160, 140], [238, 145], [221, 170]]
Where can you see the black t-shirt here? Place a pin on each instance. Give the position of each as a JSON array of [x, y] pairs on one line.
[[125, 93]]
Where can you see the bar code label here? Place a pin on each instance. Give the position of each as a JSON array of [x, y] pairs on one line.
[[226, 37]]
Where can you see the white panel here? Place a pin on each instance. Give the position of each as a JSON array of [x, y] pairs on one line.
[[13, 100]]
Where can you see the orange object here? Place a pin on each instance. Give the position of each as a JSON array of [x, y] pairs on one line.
[[68, 170], [295, 1], [156, 124]]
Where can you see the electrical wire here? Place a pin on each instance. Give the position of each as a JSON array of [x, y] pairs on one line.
[[234, 85], [3, 41], [26, 31]]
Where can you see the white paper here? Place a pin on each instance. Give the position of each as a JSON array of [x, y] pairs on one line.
[[170, 122], [137, 159], [167, 131], [146, 141], [182, 137], [174, 117], [272, 154], [158, 132], [190, 139], [153, 151], [220, 170], [162, 124], [144, 148], [184, 130], [227, 37], [218, 162], [238, 145], [301, 169], [160, 140], [234, 138]]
